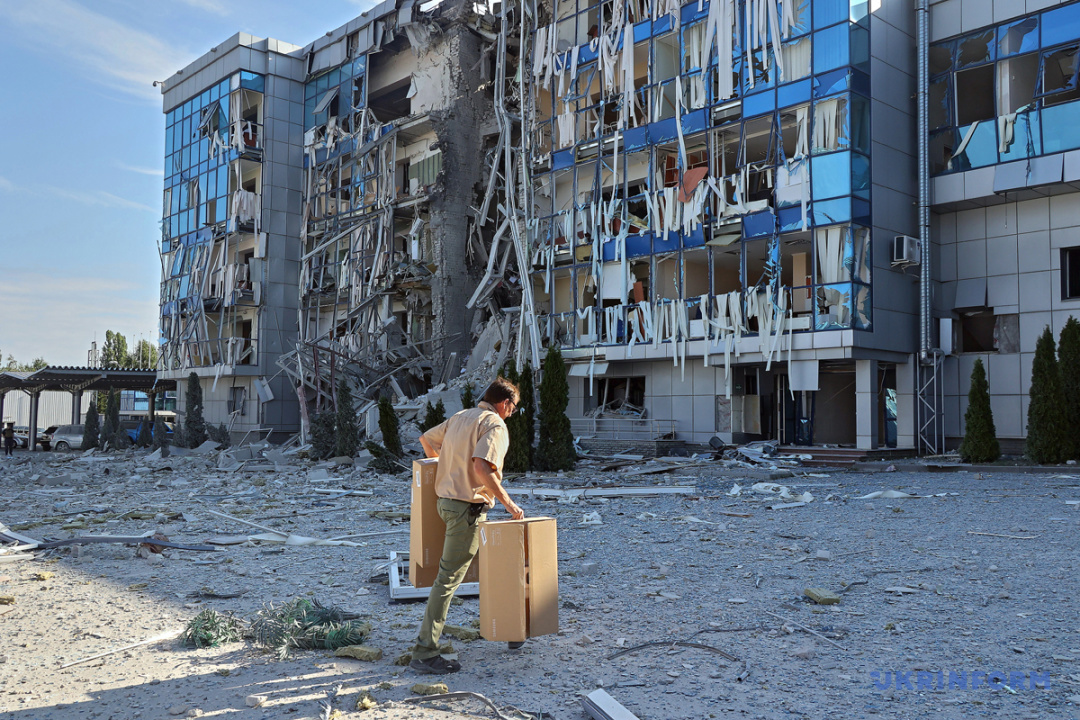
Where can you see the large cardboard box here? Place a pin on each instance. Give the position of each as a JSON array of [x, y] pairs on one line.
[[519, 579], [427, 531]]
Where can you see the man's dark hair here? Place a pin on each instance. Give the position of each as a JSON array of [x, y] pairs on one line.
[[501, 389]]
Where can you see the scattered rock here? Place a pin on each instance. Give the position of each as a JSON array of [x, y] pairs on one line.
[[360, 652], [430, 688], [456, 631], [821, 596], [254, 701]]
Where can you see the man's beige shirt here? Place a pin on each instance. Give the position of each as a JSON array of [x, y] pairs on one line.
[[478, 432]]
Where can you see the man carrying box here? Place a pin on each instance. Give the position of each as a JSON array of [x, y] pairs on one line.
[[470, 446]]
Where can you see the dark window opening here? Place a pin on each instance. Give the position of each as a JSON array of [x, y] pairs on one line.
[[975, 95], [977, 48], [1059, 76], [236, 400], [1070, 273], [614, 397], [984, 332]]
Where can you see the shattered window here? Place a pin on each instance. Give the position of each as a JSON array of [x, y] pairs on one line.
[[796, 55], [975, 49], [1022, 36], [941, 58], [975, 95], [1059, 77]]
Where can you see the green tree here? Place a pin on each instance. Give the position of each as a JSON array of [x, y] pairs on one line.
[[1047, 433], [322, 436], [13, 365], [388, 425], [144, 437], [517, 455], [1069, 365], [555, 447], [528, 404], [144, 356], [347, 430], [194, 423], [980, 442], [467, 399], [161, 435], [433, 415], [114, 352], [91, 427], [112, 433]]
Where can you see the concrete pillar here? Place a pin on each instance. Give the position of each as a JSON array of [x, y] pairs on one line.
[[151, 398], [76, 406], [2, 396], [866, 404], [906, 415], [457, 125], [34, 397]]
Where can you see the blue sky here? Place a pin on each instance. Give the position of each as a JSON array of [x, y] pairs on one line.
[[81, 155]]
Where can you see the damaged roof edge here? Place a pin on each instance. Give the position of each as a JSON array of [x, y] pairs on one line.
[[239, 40], [387, 7]]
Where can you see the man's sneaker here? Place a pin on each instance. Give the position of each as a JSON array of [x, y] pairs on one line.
[[437, 665], [514, 645]]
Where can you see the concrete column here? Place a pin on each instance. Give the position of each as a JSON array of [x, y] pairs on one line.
[[76, 406], [2, 396], [151, 398], [457, 121], [866, 404], [906, 415], [34, 397]]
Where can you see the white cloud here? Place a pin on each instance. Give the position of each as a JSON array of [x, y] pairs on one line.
[[6, 184], [64, 323], [156, 172], [115, 54], [99, 198]]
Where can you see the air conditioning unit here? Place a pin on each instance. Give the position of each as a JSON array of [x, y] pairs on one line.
[[905, 250]]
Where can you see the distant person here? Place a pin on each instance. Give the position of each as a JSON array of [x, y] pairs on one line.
[[471, 447], [9, 440]]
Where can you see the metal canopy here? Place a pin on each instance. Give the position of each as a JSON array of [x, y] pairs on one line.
[[83, 378]]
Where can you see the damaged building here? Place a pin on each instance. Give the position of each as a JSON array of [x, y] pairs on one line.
[[719, 210]]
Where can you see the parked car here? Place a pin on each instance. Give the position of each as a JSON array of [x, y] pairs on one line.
[[132, 428], [44, 437], [68, 437]]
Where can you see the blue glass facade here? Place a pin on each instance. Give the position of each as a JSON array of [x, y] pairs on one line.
[[701, 187], [1006, 92]]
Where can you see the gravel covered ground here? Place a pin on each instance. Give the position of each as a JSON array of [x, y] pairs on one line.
[[978, 580]]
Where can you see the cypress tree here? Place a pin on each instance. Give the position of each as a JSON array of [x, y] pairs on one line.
[[1069, 364], [111, 427], [91, 427], [528, 403], [388, 424], [1047, 434], [347, 432], [433, 415], [194, 424], [555, 448], [161, 436], [144, 437], [322, 436], [980, 439], [517, 456], [467, 399]]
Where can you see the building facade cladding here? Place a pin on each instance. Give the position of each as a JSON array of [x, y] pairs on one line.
[[228, 265], [705, 205], [393, 157], [1005, 154]]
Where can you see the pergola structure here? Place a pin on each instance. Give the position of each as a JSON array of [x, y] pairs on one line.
[[77, 380]]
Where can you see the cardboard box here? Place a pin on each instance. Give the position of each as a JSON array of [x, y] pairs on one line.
[[427, 531], [519, 579]]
